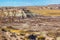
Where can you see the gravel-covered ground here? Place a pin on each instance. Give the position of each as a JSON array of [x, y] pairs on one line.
[[37, 24]]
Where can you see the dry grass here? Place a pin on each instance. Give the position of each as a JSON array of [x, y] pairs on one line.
[[47, 12]]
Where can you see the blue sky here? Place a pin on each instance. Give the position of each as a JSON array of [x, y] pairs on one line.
[[28, 2]]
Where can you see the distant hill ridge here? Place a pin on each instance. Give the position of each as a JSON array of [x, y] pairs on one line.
[[57, 6], [54, 5]]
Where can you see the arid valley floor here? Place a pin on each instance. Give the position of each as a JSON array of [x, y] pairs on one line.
[[30, 23]]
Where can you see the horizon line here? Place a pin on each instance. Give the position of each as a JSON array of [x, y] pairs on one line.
[[29, 5]]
